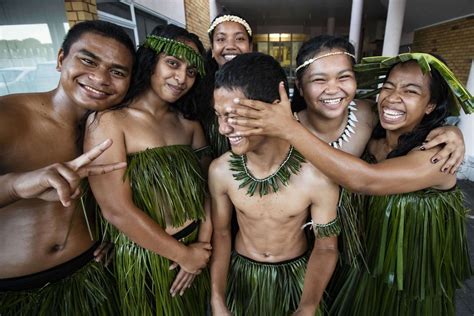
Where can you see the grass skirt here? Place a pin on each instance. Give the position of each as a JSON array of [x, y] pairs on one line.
[[261, 289], [166, 183], [88, 291], [417, 256]]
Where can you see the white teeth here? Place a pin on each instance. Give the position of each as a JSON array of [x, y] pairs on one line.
[[229, 57], [93, 90], [332, 101], [393, 112], [234, 139]]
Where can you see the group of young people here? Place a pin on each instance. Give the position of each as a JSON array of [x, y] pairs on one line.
[[150, 122]]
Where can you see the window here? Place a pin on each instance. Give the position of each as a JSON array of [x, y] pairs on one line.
[[29, 42], [283, 47]]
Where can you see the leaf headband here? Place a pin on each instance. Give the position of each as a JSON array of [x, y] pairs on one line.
[[230, 18], [177, 49], [375, 69]]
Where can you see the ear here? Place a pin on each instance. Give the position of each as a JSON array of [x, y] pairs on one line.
[[298, 86], [60, 59], [430, 108]]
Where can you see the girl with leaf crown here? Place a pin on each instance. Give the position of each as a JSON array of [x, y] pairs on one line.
[[155, 211]]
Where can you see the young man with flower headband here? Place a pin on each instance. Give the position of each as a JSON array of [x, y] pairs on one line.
[[414, 218], [155, 211], [273, 270]]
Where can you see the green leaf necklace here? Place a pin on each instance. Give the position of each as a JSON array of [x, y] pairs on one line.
[[290, 165]]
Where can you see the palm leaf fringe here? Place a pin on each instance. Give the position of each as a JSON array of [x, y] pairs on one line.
[[333, 228], [86, 292], [417, 255], [291, 165], [370, 69], [255, 288], [177, 49], [167, 183], [144, 281]]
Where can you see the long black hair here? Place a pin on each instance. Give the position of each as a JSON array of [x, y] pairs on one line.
[[308, 50], [147, 59], [439, 95]]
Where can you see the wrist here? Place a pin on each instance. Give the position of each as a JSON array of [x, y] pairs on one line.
[[181, 253]]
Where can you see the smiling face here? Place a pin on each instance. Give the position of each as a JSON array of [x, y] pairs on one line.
[[229, 40], [223, 98], [173, 77], [405, 98], [96, 73], [328, 85]]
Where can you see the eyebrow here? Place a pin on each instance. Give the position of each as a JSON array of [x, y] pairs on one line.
[[94, 56], [325, 74], [407, 85]]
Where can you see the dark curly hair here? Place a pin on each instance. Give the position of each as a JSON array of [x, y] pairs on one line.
[[439, 95]]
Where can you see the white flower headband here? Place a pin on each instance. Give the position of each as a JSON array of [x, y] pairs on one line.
[[230, 18], [312, 60]]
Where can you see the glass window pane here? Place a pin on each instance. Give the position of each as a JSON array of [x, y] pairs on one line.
[[29, 42], [146, 23], [262, 47], [115, 8]]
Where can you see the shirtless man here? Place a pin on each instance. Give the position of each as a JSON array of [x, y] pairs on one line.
[[274, 191], [44, 241]]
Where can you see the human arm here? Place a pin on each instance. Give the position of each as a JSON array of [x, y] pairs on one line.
[[323, 258], [399, 175], [221, 213], [113, 193], [453, 148], [56, 182]]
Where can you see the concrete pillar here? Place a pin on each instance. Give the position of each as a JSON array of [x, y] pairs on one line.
[[214, 9], [467, 121], [356, 22], [466, 124], [393, 27], [331, 25]]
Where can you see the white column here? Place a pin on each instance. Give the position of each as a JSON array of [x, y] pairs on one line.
[[467, 121], [213, 9], [331, 25], [393, 27], [356, 22]]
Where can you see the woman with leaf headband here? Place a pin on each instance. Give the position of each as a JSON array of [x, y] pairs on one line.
[[230, 35], [156, 210], [413, 221]]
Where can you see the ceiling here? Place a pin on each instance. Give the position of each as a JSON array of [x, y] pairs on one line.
[[314, 13]]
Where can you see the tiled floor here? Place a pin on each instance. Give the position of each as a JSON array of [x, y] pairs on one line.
[[465, 296]]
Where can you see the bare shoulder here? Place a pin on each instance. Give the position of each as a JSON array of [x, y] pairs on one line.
[[108, 120], [314, 178], [219, 168], [366, 112]]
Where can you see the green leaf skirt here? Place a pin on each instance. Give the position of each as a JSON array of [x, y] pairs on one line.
[[88, 291], [261, 288], [416, 254]]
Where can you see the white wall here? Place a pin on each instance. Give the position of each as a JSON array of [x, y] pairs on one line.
[[170, 9]]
